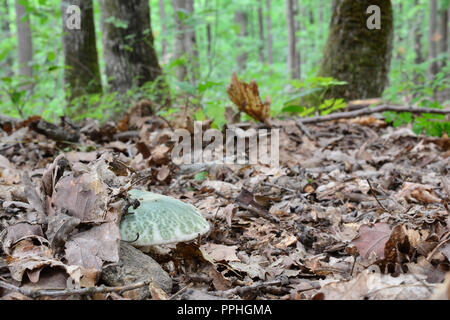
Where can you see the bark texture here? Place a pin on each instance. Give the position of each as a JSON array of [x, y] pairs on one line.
[[356, 54], [129, 53], [82, 73]]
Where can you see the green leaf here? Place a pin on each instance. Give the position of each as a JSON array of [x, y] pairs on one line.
[[201, 176], [293, 109]]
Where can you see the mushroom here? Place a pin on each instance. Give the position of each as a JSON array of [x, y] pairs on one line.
[[161, 219]]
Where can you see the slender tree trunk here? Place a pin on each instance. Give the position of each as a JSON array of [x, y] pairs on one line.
[[82, 73], [418, 41], [432, 40], [162, 14], [297, 49], [180, 49], [269, 33], [292, 42], [366, 74], [261, 32], [208, 38], [241, 18], [443, 48], [24, 43], [192, 47], [7, 63], [129, 53]]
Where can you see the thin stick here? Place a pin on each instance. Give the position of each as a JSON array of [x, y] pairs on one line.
[[36, 293], [367, 111], [180, 291], [375, 196], [435, 249]]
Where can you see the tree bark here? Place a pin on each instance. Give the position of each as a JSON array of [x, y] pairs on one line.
[[418, 41], [269, 33], [293, 64], [24, 43], [241, 18], [186, 42], [261, 32], [129, 53], [7, 63], [162, 14], [82, 72], [180, 49], [443, 48], [191, 44], [356, 54], [432, 41]]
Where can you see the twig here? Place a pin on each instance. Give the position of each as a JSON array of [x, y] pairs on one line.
[[253, 287], [367, 111], [176, 294], [268, 184], [302, 127], [435, 249], [375, 196], [36, 293]]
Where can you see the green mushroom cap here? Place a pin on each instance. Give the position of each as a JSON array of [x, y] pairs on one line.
[[160, 220]]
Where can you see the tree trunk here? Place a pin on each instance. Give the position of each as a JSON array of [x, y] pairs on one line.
[[432, 40], [7, 64], [418, 41], [269, 33], [130, 56], [241, 18], [180, 49], [162, 14], [82, 73], [443, 48], [297, 49], [261, 32], [24, 43], [191, 45], [292, 41], [356, 54], [208, 38]]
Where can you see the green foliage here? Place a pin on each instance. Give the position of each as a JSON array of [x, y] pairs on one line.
[[206, 98], [311, 100], [201, 176]]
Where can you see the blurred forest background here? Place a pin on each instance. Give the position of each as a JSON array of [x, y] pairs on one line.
[[181, 54]]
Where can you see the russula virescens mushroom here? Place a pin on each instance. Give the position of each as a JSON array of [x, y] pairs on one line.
[[161, 219]]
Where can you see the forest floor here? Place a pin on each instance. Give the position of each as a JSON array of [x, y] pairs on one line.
[[357, 210]]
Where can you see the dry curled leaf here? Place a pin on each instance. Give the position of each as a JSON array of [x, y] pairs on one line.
[[246, 97]]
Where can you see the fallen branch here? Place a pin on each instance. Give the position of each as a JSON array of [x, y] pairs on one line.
[[252, 287], [36, 293], [367, 111]]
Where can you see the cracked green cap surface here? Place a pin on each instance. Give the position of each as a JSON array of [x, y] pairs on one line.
[[161, 219]]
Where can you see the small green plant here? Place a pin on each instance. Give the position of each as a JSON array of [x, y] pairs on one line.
[[310, 100]]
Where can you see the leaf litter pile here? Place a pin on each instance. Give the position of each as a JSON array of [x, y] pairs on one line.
[[356, 210]]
